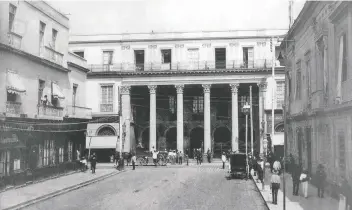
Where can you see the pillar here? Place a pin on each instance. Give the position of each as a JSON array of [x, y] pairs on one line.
[[207, 125], [126, 115], [262, 92], [234, 123], [152, 118], [179, 90]]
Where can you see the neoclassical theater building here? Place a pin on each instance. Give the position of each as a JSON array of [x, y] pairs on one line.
[[181, 90]]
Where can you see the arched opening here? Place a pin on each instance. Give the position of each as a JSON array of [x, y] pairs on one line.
[[280, 127], [145, 139], [196, 139], [222, 141], [171, 139], [106, 131]]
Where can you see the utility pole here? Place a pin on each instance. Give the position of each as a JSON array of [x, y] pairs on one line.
[[251, 115], [273, 92]]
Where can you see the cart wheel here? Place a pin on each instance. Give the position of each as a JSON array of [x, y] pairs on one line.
[[141, 161]]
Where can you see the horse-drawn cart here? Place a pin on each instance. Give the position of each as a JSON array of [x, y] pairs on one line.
[[144, 157]]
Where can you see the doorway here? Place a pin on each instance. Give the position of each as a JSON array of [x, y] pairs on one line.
[[196, 140], [248, 57], [220, 58], [171, 139], [222, 141], [139, 59]]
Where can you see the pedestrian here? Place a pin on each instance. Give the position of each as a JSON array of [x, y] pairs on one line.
[[180, 158], [223, 158], [208, 155], [304, 178], [200, 157], [155, 156], [346, 191], [260, 172], [93, 163], [275, 185], [277, 165], [177, 156], [321, 177], [296, 172], [133, 161]]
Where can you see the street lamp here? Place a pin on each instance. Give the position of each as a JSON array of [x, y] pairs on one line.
[[246, 109]]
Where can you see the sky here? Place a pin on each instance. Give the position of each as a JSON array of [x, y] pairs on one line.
[[144, 16]]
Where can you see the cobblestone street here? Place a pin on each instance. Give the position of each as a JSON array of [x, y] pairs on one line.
[[202, 187]]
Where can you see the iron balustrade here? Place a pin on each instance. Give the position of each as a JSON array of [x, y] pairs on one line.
[[48, 110], [183, 66]]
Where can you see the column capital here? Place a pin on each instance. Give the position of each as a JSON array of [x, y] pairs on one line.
[[152, 89], [262, 86], [206, 88], [234, 87], [125, 89], [179, 88]]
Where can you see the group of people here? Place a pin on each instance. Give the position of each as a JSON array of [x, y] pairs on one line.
[[84, 161]]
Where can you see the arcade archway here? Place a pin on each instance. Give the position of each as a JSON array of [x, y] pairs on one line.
[[196, 139], [171, 138], [222, 141]]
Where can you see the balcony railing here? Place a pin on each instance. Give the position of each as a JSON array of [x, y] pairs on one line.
[[79, 112], [52, 55], [184, 66], [13, 108], [14, 40], [48, 111], [106, 108]]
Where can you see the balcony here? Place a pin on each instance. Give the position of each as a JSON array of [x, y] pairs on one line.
[[52, 55], [78, 112], [50, 112], [184, 66], [106, 108], [13, 109]]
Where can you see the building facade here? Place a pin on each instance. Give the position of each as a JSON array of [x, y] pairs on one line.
[[42, 91], [180, 90], [319, 51]]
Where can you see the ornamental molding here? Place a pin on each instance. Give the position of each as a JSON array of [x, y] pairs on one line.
[[206, 88], [179, 89], [206, 45], [179, 45], [152, 89], [125, 47], [152, 46], [235, 44], [262, 86], [125, 90], [234, 87]]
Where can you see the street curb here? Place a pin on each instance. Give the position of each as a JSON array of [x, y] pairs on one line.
[[62, 191], [260, 192]]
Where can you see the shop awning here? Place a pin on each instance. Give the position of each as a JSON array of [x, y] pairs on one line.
[[101, 142], [279, 139], [57, 93], [14, 83]]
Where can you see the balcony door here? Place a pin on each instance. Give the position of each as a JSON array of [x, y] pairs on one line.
[[220, 58], [139, 59], [107, 60], [166, 59], [193, 58], [248, 57]]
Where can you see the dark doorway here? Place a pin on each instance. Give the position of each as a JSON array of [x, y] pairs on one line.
[[220, 58], [145, 139], [222, 141], [248, 57], [171, 138], [139, 59], [196, 139]]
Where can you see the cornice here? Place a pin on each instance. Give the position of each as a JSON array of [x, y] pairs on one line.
[[85, 70]]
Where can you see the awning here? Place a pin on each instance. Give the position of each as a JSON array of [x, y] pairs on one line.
[[279, 139], [101, 142], [14, 83], [57, 93]]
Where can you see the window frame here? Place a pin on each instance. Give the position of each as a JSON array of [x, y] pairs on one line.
[[102, 86], [54, 34], [13, 15], [298, 79]]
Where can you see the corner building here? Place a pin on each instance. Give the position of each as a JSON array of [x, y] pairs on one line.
[[180, 90]]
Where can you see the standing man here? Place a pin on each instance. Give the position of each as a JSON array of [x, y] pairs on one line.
[[180, 158], [223, 158], [296, 173], [155, 156], [133, 160], [93, 163], [208, 155]]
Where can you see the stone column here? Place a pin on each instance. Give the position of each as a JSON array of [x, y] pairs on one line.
[[262, 91], [234, 124], [152, 117], [207, 123], [126, 116], [179, 90]]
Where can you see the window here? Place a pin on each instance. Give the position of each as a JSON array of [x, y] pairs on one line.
[[298, 80], [344, 58], [193, 58], [41, 38], [74, 93], [12, 14], [139, 59], [248, 57], [79, 53], [341, 153], [70, 151], [220, 58], [49, 153], [198, 104], [61, 155], [106, 98], [107, 60], [166, 56], [172, 104], [308, 67], [40, 155], [53, 39], [280, 94], [4, 162]]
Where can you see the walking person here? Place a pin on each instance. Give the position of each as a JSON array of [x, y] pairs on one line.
[[321, 177], [223, 158], [304, 178], [133, 161], [296, 172], [155, 156], [275, 185], [277, 165], [208, 155], [200, 158], [180, 158], [260, 172], [93, 163]]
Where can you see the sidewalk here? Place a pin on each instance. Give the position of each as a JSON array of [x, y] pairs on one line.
[[21, 197], [295, 202]]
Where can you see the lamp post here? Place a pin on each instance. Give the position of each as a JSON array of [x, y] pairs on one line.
[[246, 109]]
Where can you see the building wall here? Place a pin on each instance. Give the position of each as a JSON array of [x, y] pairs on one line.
[[27, 24]]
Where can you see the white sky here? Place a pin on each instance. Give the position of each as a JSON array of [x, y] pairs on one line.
[[122, 16]]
